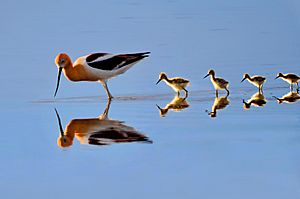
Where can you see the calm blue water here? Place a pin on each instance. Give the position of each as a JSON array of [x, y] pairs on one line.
[[239, 154]]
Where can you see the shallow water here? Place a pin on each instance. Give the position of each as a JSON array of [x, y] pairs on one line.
[[240, 153]]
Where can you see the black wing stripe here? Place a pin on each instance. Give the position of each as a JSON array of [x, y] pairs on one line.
[[118, 61], [93, 57], [132, 60], [108, 64], [137, 54]]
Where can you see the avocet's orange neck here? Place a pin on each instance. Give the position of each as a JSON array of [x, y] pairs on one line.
[[75, 72], [71, 72]]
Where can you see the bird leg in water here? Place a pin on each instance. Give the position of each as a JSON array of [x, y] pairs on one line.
[[106, 89], [104, 115]]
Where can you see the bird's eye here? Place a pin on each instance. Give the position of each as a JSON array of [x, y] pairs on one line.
[[62, 61]]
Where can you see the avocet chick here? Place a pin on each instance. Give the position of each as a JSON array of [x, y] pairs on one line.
[[289, 78], [177, 83], [218, 83], [256, 80]]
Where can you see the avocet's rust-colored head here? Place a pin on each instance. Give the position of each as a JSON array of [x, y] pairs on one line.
[[62, 60], [63, 140]]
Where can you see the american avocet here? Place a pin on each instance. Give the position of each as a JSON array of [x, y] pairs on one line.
[[289, 78], [218, 83], [256, 80], [98, 131], [177, 104], [177, 83], [289, 98], [219, 103], [96, 67], [257, 99]]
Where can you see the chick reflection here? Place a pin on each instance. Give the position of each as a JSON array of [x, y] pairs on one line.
[[98, 131], [219, 103], [177, 104], [257, 99], [289, 98]]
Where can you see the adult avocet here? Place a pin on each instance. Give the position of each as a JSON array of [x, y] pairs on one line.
[[96, 67]]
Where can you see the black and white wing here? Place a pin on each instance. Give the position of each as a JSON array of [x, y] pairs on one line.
[[117, 135], [106, 61]]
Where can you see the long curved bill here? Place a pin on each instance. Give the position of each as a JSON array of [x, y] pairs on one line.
[[58, 80], [205, 76], [59, 123], [243, 80]]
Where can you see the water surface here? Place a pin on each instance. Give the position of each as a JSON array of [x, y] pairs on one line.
[[239, 153]]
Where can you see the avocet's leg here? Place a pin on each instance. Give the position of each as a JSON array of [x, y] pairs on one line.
[[217, 93], [178, 93], [186, 93], [106, 110], [106, 89]]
